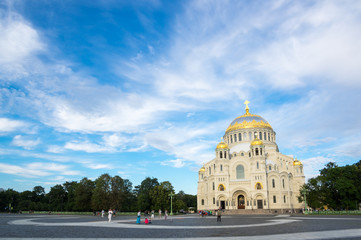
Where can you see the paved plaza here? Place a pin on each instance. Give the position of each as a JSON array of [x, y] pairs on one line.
[[17, 226]]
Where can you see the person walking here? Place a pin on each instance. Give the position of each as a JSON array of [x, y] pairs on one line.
[[160, 214], [103, 213], [152, 216], [219, 215], [166, 214], [138, 217], [110, 214]]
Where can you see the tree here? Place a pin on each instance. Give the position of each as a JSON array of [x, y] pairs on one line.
[[101, 194], [83, 195], [39, 199], [335, 187], [143, 193], [160, 195], [57, 198], [69, 188]]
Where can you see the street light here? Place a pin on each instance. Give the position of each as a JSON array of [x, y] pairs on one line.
[[304, 191], [171, 203]]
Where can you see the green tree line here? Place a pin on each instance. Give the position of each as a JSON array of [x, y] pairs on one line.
[[104, 193], [337, 188]]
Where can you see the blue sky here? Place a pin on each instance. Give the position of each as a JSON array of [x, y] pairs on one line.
[[148, 88]]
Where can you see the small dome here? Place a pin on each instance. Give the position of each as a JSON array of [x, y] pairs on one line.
[[222, 145], [256, 141], [202, 169], [297, 163]]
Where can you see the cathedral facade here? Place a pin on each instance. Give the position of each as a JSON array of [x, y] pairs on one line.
[[248, 171]]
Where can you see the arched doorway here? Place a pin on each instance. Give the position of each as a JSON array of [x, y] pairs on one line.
[[241, 202]]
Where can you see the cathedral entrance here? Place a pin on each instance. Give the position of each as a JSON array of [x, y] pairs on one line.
[[241, 201], [260, 204], [223, 205]]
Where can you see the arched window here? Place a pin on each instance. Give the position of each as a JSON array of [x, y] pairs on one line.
[[220, 154], [283, 183], [240, 172], [257, 165], [210, 171], [284, 198], [265, 136], [260, 135], [214, 200], [221, 167], [260, 151], [213, 186], [231, 139], [256, 151], [274, 199], [221, 187], [239, 136], [235, 137], [225, 154], [202, 201], [273, 183]]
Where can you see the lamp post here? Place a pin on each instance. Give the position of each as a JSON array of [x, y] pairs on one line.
[[304, 191], [171, 203]]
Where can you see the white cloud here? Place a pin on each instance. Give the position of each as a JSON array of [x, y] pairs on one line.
[[99, 166], [25, 142], [36, 169], [177, 163], [86, 147], [18, 39], [9, 125]]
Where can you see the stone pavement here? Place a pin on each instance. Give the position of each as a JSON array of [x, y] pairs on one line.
[[183, 227]]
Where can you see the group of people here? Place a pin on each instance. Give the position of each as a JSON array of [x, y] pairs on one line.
[[147, 219], [218, 213], [110, 214]]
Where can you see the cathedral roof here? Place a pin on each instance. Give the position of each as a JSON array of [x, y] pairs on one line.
[[248, 120]]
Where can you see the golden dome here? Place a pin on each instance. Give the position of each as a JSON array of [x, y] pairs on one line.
[[248, 120], [296, 163], [256, 141], [222, 145], [202, 169]]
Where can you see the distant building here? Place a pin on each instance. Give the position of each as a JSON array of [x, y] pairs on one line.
[[248, 171]]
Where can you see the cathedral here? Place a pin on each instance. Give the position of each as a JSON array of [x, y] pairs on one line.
[[249, 172]]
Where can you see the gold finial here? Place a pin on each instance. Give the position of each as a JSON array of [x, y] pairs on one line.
[[247, 108]]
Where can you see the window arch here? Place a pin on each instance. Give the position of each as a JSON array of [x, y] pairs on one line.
[[240, 172], [220, 154], [256, 151], [273, 183]]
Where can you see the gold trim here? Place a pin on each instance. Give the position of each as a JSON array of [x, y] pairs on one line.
[[255, 186]]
